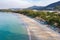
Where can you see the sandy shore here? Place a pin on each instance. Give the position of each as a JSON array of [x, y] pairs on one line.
[[38, 31]]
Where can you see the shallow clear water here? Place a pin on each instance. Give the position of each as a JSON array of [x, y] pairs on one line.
[[11, 27]]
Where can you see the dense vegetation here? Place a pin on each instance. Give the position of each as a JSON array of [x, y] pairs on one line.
[[57, 8], [53, 18]]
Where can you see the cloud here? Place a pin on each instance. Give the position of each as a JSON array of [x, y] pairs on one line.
[[24, 3], [14, 4]]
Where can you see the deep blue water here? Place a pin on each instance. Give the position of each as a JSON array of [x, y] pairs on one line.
[[11, 27]]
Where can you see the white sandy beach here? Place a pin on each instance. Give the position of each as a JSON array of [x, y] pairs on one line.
[[38, 31]]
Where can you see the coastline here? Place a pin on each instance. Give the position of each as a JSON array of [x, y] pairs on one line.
[[35, 32], [27, 29], [49, 26]]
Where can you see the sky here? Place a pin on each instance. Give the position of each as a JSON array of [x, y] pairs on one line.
[[24, 3]]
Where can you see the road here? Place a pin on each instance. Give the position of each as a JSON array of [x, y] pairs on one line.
[[39, 31]]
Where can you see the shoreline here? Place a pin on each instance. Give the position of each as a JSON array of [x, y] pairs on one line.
[[26, 28], [49, 26], [35, 30]]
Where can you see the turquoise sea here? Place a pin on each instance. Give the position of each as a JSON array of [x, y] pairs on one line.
[[11, 27]]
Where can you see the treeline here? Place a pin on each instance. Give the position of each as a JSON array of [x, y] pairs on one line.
[[5, 10], [52, 18]]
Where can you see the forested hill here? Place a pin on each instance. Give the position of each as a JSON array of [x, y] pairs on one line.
[[53, 6]]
